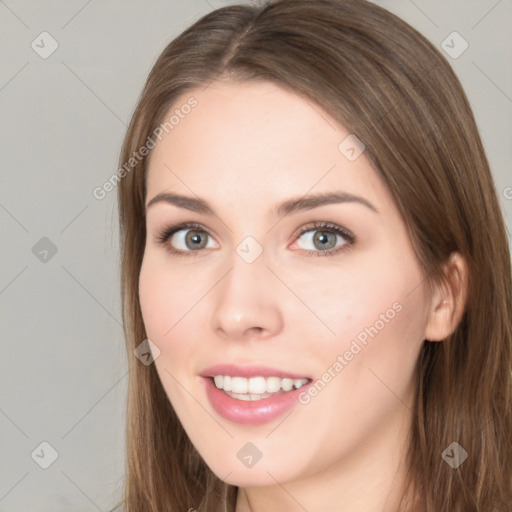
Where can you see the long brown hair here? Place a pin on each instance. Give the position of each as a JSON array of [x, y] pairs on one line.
[[396, 92]]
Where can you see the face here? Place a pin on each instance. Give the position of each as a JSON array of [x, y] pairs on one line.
[[322, 297]]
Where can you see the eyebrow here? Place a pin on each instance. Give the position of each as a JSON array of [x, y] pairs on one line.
[[306, 202]]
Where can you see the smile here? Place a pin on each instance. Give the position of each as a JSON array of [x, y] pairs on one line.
[[256, 388]]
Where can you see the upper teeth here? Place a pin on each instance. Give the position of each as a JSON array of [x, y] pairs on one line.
[[256, 385]]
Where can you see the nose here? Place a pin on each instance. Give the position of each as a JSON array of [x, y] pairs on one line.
[[246, 302]]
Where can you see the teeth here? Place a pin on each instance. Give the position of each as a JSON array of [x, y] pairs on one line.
[[273, 384], [287, 384], [255, 386], [239, 385]]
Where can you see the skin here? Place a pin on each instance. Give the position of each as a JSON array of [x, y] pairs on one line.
[[245, 148]]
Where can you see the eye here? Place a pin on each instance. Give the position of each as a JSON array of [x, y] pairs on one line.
[[185, 238], [323, 238]]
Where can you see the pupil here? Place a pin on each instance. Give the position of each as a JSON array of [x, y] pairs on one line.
[[322, 238], [195, 239]]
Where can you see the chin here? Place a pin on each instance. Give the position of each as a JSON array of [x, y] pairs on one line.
[[247, 477], [261, 474]]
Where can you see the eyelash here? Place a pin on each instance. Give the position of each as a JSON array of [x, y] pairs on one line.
[[326, 227]]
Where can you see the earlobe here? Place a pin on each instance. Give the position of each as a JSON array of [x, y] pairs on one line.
[[449, 300]]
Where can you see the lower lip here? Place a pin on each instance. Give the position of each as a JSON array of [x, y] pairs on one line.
[[250, 412]]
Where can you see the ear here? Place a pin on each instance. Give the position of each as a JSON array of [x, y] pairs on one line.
[[448, 300]]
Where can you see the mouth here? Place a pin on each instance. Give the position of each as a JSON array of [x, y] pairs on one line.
[[256, 388], [252, 395]]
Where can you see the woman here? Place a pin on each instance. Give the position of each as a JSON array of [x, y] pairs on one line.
[[376, 378]]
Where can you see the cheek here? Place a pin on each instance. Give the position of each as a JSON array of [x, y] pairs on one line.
[[170, 301], [153, 299], [375, 311], [163, 308], [367, 367], [354, 296], [165, 295], [163, 303]]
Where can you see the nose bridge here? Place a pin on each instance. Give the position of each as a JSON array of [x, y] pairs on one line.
[[244, 301]]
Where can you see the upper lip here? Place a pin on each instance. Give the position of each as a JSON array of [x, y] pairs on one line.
[[247, 371]]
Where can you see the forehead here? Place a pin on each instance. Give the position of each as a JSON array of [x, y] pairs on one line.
[[254, 139]]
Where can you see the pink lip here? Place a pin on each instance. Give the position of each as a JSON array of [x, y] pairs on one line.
[[247, 412], [249, 371]]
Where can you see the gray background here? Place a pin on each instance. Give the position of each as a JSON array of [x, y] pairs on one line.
[[63, 368]]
